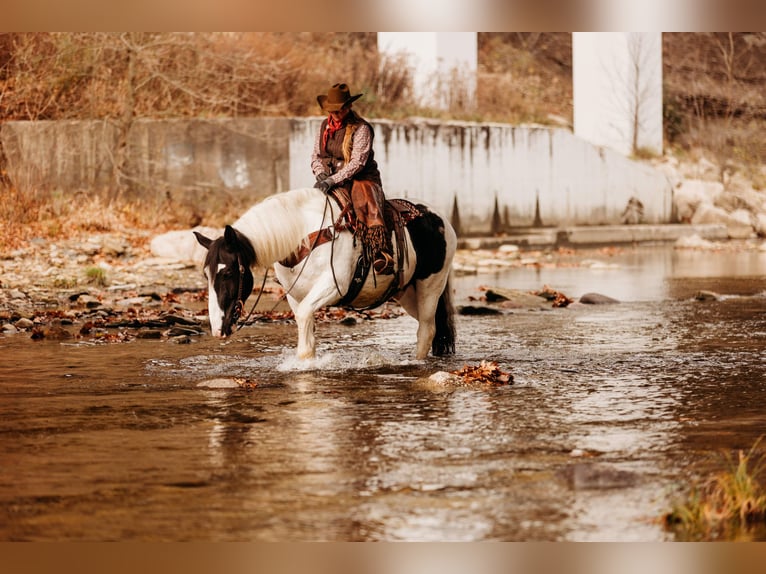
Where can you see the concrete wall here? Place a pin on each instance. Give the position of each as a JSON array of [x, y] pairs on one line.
[[499, 176], [519, 175], [208, 163]]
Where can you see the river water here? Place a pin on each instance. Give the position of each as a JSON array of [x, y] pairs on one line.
[[613, 411]]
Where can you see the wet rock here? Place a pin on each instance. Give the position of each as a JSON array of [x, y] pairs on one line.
[[9, 329], [88, 301], [588, 476], [183, 332], [24, 323], [515, 299], [218, 384], [597, 299], [54, 331], [173, 319], [182, 340], [707, 296]]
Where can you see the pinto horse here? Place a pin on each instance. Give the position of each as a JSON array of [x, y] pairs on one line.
[[274, 231]]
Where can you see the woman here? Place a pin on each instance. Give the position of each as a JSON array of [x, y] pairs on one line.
[[343, 156]]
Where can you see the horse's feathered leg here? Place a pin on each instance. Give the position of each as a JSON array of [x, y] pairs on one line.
[[322, 294], [304, 319]]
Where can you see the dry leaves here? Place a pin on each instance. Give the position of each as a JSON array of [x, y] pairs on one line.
[[556, 298], [486, 372]]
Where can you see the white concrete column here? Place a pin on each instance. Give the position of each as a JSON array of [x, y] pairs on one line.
[[443, 64], [617, 85]]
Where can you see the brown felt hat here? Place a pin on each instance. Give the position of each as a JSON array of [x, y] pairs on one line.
[[338, 97]]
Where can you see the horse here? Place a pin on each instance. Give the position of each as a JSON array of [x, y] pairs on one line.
[[273, 231]]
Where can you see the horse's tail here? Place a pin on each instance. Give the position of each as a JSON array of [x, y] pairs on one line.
[[444, 339]]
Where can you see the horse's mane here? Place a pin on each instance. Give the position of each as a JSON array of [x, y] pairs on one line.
[[274, 226]]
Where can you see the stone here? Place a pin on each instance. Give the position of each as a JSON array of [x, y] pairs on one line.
[[220, 383], [515, 299], [182, 245], [706, 296], [24, 323], [597, 299]]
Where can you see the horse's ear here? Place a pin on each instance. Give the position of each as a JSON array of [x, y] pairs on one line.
[[230, 236], [202, 240]]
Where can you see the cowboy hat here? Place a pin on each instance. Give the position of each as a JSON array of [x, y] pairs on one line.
[[338, 97]]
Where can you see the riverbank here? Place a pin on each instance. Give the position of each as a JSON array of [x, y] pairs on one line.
[[105, 285]]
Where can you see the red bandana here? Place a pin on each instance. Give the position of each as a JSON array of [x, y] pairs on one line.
[[333, 126]]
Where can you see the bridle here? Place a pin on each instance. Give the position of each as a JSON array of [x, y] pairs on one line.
[[239, 305]]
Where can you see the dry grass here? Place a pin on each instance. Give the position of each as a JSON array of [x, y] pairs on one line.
[[727, 505], [24, 216]]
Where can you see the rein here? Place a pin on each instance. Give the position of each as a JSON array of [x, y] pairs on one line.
[[240, 305]]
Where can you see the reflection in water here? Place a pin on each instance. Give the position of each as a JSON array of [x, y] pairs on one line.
[[612, 410]]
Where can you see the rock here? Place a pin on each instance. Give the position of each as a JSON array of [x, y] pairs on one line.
[[597, 299], [707, 296], [694, 241], [709, 213], [16, 294], [133, 302], [760, 224], [24, 323], [218, 384], [88, 301], [9, 329], [181, 320], [692, 193], [114, 246], [515, 299], [509, 249], [182, 245], [738, 225]]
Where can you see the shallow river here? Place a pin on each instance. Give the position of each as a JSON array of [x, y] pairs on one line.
[[614, 409]]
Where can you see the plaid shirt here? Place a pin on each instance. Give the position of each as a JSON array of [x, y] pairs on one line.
[[361, 147]]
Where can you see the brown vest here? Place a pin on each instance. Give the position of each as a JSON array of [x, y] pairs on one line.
[[337, 152]]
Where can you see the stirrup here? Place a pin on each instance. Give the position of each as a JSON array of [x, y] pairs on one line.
[[383, 263]]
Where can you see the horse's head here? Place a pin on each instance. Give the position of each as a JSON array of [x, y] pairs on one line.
[[230, 281]]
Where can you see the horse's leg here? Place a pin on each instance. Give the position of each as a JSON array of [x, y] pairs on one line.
[[322, 294], [305, 322], [419, 308]]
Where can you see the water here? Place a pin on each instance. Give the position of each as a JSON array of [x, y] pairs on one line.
[[614, 409]]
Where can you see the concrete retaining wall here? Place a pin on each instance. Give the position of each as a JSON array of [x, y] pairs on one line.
[[498, 176]]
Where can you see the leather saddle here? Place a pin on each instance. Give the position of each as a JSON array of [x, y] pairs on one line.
[[397, 214]]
